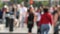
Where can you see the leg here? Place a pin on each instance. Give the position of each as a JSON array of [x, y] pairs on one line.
[[29, 30], [11, 25], [47, 29], [22, 23], [42, 29], [7, 21], [38, 29], [56, 30]]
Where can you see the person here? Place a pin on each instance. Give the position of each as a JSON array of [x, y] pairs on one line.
[[30, 20], [46, 18], [6, 10], [56, 15], [12, 17], [38, 17], [16, 20], [23, 9]]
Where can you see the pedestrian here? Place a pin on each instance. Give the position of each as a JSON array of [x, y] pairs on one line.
[[16, 22], [46, 18], [23, 11], [7, 15], [12, 17], [38, 17], [56, 15], [30, 20]]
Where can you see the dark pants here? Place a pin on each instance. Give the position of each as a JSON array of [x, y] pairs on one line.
[[56, 29], [30, 26], [38, 29], [7, 22], [30, 29], [11, 25]]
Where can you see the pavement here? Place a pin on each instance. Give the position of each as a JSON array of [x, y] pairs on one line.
[[21, 30]]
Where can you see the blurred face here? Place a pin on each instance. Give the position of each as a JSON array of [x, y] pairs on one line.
[[38, 10], [8, 9], [14, 6], [31, 9]]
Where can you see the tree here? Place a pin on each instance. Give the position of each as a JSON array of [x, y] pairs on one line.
[[45, 3], [16, 1], [1, 4], [19, 1]]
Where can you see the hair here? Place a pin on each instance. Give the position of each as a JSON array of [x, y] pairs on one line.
[[45, 10], [38, 10]]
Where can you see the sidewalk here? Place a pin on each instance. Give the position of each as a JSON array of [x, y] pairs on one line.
[[16, 30], [20, 30]]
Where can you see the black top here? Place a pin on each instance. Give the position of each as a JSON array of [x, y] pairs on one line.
[[12, 11], [31, 16], [17, 14], [55, 11]]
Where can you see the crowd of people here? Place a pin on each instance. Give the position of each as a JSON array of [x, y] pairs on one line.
[[18, 15]]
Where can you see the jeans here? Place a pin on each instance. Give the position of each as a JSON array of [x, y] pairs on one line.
[[22, 21], [45, 28]]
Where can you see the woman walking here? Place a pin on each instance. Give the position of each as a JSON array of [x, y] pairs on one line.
[[46, 18], [12, 17], [38, 17], [30, 19], [56, 15]]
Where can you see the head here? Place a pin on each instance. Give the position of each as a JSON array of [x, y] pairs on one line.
[[6, 8], [31, 9], [45, 10], [21, 5], [39, 10]]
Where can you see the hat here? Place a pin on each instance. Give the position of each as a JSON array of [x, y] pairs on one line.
[[5, 6]]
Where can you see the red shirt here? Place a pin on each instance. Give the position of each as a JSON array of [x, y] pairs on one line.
[[46, 19]]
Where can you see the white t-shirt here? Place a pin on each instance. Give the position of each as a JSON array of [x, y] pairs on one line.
[[38, 16], [23, 11]]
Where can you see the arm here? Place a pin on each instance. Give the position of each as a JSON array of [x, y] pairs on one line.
[[35, 18], [4, 15], [26, 18], [55, 18]]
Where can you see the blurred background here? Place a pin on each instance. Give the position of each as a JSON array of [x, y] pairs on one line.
[[27, 3]]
